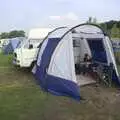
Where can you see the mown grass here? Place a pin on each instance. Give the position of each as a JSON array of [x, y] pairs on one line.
[[5, 60], [19, 95], [22, 99]]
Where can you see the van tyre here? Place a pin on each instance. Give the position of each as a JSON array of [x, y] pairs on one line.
[[32, 65]]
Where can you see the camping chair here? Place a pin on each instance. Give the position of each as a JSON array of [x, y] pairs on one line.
[[108, 70], [104, 73], [99, 71]]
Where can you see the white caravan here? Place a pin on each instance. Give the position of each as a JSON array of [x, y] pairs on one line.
[[26, 53]]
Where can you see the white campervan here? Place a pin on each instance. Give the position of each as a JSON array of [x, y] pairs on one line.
[[26, 52]]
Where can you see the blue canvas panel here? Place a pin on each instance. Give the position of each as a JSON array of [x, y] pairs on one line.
[[99, 54], [115, 78], [59, 86], [8, 49], [97, 50], [15, 42], [45, 60]]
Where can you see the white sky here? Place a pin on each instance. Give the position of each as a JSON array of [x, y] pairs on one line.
[[26, 14]]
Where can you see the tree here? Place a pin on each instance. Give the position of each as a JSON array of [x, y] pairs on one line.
[[4, 35], [104, 27], [110, 24], [118, 24], [112, 28], [118, 34], [89, 20], [16, 33], [115, 31], [94, 21], [12, 34]]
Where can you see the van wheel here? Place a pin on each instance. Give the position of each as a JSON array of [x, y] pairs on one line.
[[32, 65]]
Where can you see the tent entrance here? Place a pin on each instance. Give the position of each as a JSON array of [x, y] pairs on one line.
[[84, 80], [97, 50], [80, 47]]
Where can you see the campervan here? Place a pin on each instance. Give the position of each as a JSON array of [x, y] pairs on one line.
[[26, 52]]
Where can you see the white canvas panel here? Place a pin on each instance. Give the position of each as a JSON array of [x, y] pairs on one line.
[[110, 54], [34, 69], [91, 35], [77, 55], [62, 61], [79, 52], [88, 29], [58, 33], [84, 48], [85, 35]]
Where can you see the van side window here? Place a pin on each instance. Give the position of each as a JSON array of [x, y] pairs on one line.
[[26, 45]]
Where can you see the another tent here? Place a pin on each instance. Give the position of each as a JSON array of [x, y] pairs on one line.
[[55, 69], [3, 42], [9, 48]]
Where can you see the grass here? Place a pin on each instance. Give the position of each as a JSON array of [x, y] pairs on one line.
[[19, 94], [5, 60], [22, 99]]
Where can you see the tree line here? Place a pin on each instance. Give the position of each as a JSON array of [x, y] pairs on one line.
[[12, 34], [112, 27]]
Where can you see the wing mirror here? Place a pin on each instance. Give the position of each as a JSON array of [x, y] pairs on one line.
[[30, 46]]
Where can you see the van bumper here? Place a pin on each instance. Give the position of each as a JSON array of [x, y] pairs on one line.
[[16, 62]]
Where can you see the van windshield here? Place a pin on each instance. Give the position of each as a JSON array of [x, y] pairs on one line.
[[34, 42], [20, 44]]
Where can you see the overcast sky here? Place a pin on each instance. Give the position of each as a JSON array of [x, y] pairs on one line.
[[26, 14]]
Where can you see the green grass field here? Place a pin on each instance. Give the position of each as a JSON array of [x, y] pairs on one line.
[[22, 99]]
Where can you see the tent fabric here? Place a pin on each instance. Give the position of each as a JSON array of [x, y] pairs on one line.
[[62, 87], [97, 49], [64, 68], [58, 66], [96, 32], [90, 29], [111, 59], [55, 69], [52, 80], [45, 59], [57, 33], [8, 49], [14, 43]]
